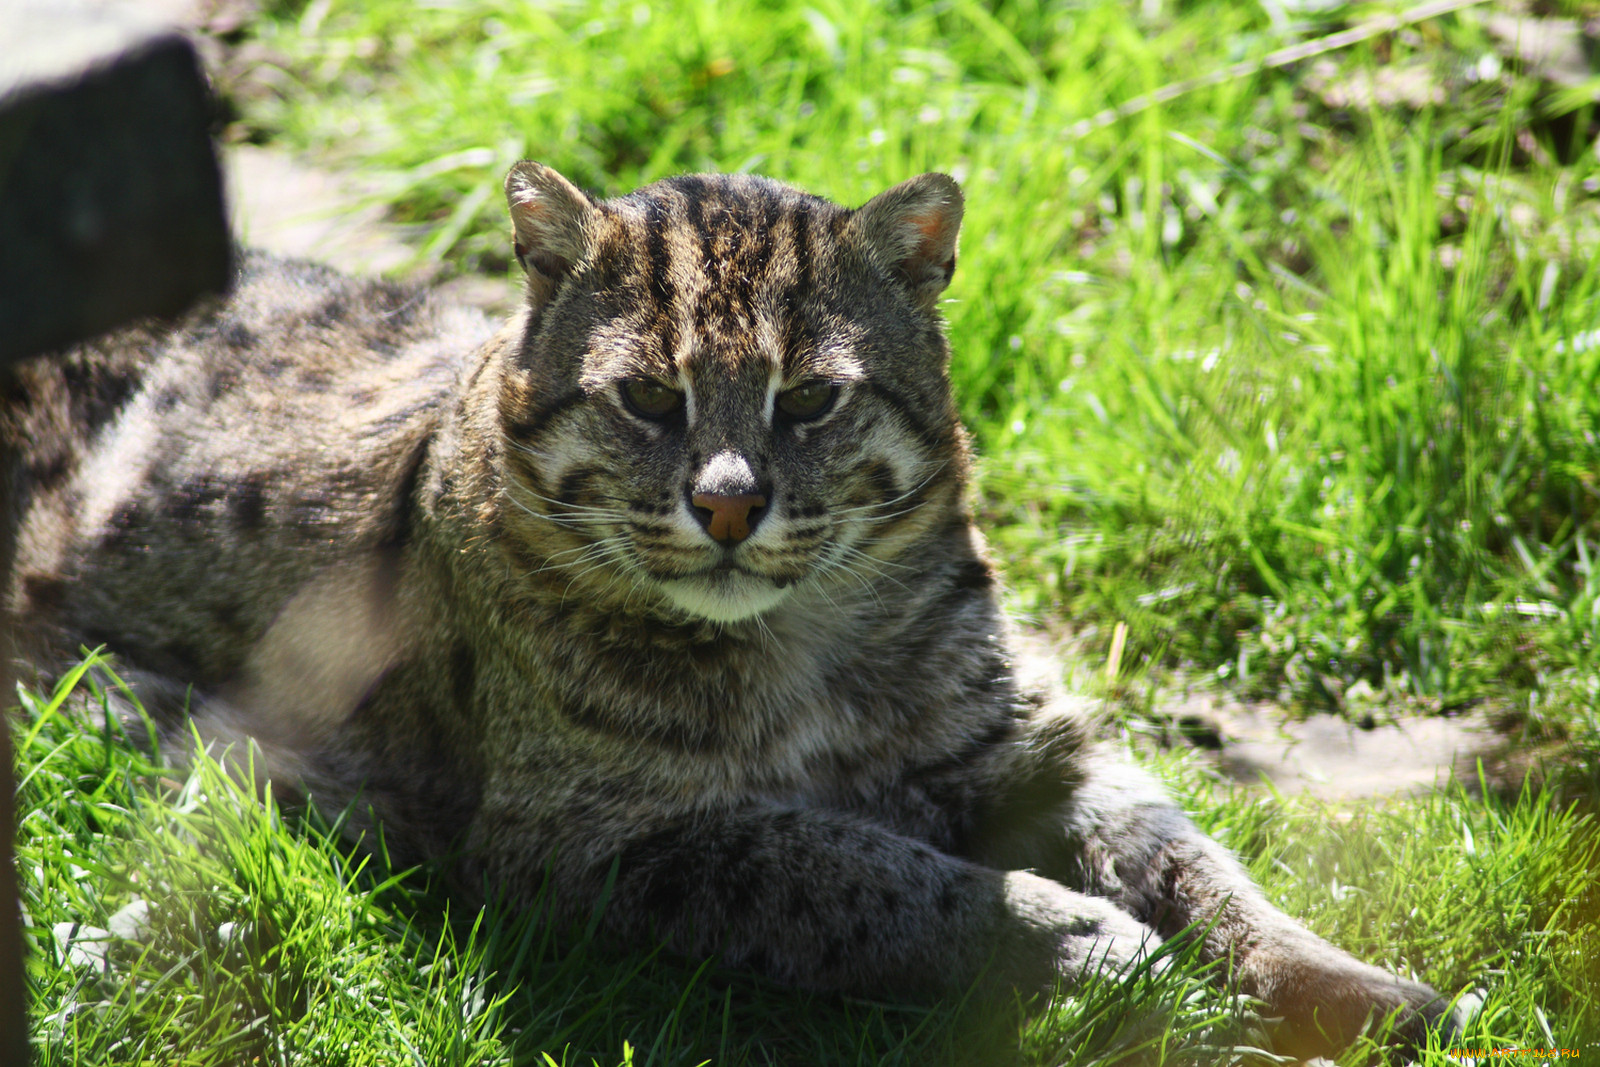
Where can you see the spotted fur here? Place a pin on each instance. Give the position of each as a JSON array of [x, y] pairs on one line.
[[670, 580]]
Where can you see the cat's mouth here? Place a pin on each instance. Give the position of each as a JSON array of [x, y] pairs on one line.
[[726, 592], [729, 566]]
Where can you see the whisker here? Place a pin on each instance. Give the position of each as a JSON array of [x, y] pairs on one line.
[[822, 591], [573, 517], [592, 551], [895, 500], [527, 450], [880, 562], [590, 570], [837, 566], [609, 498], [564, 523], [896, 514], [565, 506], [861, 580], [870, 564], [766, 633]]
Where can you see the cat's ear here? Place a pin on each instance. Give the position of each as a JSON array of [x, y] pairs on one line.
[[911, 231], [552, 223]]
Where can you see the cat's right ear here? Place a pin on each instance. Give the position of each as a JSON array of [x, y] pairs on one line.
[[552, 223]]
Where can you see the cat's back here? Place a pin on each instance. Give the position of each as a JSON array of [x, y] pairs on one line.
[[237, 451]]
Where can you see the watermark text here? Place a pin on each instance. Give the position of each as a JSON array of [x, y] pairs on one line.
[[1528, 1053]]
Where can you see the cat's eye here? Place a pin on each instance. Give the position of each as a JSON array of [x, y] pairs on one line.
[[808, 401], [651, 399]]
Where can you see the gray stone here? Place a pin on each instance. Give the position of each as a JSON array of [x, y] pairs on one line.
[[82, 946], [1329, 757], [131, 921], [110, 197]]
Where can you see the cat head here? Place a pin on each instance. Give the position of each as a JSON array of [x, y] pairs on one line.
[[729, 390]]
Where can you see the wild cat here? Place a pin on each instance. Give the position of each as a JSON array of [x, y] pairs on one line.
[[671, 580]]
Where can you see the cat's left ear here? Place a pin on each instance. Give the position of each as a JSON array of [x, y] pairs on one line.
[[553, 223], [911, 231]]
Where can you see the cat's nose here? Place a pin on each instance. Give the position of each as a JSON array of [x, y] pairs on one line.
[[728, 519], [727, 497]]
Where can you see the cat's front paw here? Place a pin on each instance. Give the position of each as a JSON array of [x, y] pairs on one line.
[[1053, 933]]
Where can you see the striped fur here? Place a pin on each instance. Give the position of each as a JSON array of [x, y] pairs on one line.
[[670, 577]]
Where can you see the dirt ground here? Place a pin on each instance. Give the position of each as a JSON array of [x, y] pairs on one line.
[[1329, 756]]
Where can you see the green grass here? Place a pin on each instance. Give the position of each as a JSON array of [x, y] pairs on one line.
[[269, 940], [1304, 393]]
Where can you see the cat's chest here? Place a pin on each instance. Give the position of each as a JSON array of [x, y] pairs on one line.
[[807, 705], [799, 727]]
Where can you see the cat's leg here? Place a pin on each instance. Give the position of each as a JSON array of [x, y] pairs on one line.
[[1116, 834], [825, 900]]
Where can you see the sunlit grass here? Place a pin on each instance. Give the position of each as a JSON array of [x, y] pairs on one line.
[[265, 940]]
